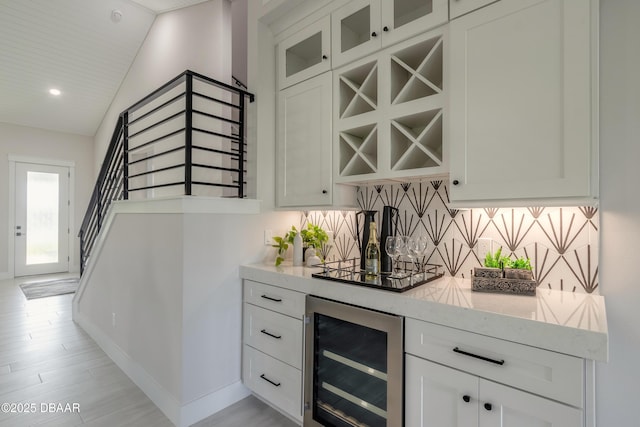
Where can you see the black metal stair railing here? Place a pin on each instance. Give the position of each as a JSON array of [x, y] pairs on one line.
[[185, 138]]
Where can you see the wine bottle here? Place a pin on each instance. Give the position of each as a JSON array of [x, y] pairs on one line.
[[372, 253]]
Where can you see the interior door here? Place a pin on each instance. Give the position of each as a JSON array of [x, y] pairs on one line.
[[41, 235]]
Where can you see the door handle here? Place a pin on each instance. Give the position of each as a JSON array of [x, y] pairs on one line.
[[20, 234]]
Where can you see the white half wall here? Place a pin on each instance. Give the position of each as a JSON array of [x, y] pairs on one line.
[[167, 272]]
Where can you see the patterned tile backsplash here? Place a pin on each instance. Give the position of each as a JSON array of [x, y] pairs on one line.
[[562, 243]]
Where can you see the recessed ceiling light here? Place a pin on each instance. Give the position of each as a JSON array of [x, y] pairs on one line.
[[55, 92]]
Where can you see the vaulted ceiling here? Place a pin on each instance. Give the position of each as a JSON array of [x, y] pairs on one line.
[[79, 47]]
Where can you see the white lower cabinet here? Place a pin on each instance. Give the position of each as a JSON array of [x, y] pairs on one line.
[[439, 396], [272, 345], [459, 378]]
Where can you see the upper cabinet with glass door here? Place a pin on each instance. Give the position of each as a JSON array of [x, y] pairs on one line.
[[305, 54], [362, 27]]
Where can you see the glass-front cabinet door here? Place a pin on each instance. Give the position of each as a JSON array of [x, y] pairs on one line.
[[362, 27], [304, 54], [402, 19]]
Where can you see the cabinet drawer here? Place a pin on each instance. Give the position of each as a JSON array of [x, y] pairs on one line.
[[277, 299], [274, 381], [543, 372], [277, 335]]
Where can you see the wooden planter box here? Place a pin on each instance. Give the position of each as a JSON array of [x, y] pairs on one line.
[[506, 285]]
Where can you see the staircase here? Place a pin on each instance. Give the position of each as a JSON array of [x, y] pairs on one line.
[[185, 138]]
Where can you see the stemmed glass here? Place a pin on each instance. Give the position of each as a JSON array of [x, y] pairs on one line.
[[409, 249], [395, 247], [419, 248]]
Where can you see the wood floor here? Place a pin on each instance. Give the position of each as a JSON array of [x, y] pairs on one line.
[[50, 366]]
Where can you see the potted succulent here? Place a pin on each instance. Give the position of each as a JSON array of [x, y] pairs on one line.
[[493, 265], [518, 269], [312, 237]]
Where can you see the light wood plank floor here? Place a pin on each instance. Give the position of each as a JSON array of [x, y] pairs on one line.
[[45, 358]]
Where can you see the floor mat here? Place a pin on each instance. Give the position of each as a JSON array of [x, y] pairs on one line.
[[49, 288]]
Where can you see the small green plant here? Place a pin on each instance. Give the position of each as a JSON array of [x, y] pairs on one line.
[[313, 236], [281, 245], [520, 263], [496, 260]]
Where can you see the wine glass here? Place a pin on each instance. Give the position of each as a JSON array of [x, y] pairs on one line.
[[420, 249], [409, 249], [393, 246]]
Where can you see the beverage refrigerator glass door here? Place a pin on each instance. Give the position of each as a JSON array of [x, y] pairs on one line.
[[354, 368]]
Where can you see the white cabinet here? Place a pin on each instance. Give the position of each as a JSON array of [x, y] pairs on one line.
[[389, 110], [362, 27], [304, 162], [523, 99], [437, 396], [461, 7], [459, 378], [305, 54], [272, 345]]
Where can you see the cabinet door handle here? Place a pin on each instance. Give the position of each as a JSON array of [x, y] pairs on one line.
[[264, 331], [324, 191], [271, 299], [466, 398], [455, 182], [477, 356], [385, 29], [325, 57], [374, 34], [488, 406], [269, 381]]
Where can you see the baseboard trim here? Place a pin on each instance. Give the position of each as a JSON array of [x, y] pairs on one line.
[[168, 404], [180, 415], [210, 404]]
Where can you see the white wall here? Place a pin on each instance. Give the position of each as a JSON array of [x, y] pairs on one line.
[[618, 382], [172, 281], [196, 38], [32, 142]]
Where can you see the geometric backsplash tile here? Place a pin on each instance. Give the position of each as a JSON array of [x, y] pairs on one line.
[[562, 243]]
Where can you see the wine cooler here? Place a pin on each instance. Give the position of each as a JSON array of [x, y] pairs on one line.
[[354, 366]]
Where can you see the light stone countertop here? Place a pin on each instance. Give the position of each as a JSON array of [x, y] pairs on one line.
[[565, 322]]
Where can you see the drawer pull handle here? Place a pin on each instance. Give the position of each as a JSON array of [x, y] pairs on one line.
[[264, 331], [466, 398], [269, 381], [271, 299], [486, 359], [488, 406]]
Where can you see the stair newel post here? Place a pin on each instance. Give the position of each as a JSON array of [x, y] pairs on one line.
[[241, 148], [188, 129], [125, 155]]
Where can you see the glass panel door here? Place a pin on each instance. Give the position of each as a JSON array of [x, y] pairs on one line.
[[350, 379], [41, 219], [354, 366]]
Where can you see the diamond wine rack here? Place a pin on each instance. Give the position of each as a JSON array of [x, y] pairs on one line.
[[389, 112]]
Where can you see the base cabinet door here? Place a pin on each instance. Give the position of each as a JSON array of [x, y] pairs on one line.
[[503, 406], [437, 396]]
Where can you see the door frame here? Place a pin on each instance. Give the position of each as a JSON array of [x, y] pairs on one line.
[[13, 159]]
